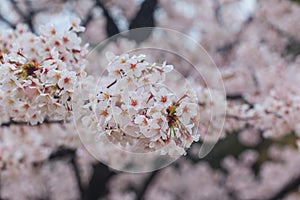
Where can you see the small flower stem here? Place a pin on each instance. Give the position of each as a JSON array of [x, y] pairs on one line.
[[111, 84]]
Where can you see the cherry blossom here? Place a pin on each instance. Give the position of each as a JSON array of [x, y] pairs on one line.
[[43, 82], [140, 111]]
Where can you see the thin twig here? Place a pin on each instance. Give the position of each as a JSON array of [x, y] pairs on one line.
[[255, 79], [238, 97], [111, 84], [217, 12], [238, 118], [20, 123]]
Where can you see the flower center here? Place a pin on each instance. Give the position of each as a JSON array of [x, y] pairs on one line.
[[30, 68]]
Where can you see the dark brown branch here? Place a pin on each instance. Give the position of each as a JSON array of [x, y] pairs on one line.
[[111, 27], [143, 18], [98, 185], [20, 123], [227, 48], [238, 118], [235, 97], [0, 188], [17, 8], [62, 153], [149, 180], [281, 32], [238, 97], [69, 154], [230, 192], [111, 84], [217, 10], [287, 189], [293, 45], [76, 170], [28, 18], [31, 13], [88, 17], [2, 18]]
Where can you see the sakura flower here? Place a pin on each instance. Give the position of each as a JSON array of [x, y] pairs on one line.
[[162, 95], [75, 25], [158, 121], [67, 80], [187, 111], [122, 116], [136, 67]]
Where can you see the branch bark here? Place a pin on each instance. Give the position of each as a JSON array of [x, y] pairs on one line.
[[89, 17], [67, 153], [149, 180], [20, 123], [28, 18], [76, 170], [287, 189], [2, 18], [98, 185]]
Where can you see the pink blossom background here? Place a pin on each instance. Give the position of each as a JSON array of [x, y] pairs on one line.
[[255, 45]]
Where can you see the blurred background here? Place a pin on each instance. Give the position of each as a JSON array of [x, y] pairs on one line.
[[256, 46]]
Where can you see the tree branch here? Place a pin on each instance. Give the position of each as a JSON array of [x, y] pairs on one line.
[[287, 189], [111, 27], [97, 187], [2, 18], [0, 189], [74, 165], [149, 180], [28, 18], [20, 123], [238, 118], [17, 8], [238, 97], [64, 152], [88, 17], [227, 48]]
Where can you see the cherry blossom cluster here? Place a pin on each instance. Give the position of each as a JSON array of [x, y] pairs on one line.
[[239, 180], [137, 108], [39, 73], [24, 164]]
